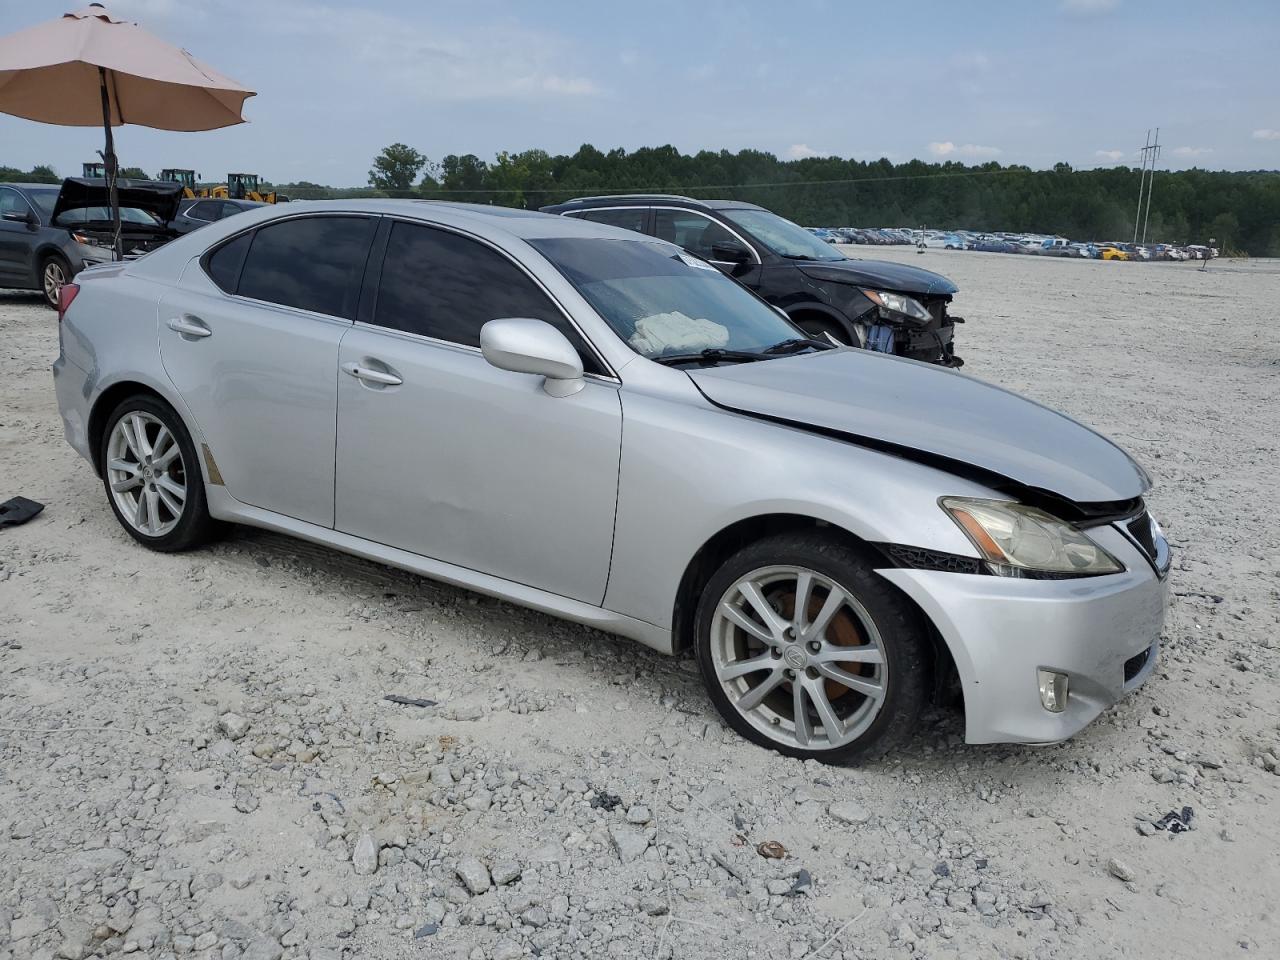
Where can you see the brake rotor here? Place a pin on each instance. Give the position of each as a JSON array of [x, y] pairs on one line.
[[843, 631]]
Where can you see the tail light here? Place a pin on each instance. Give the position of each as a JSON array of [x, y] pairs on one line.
[[66, 295]]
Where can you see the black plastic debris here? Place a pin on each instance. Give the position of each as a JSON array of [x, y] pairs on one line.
[[941, 869], [603, 800], [409, 701], [18, 510], [804, 881], [1176, 821]]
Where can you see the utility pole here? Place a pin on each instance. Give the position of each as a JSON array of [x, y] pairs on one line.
[[1142, 180], [1151, 179]]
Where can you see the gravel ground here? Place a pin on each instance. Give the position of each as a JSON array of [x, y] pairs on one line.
[[197, 757]]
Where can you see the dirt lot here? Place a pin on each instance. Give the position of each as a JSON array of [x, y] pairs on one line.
[[196, 757]]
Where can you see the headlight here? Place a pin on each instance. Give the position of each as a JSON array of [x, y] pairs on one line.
[[1021, 541], [89, 241], [897, 303]]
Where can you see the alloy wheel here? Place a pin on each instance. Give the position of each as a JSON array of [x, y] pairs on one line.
[[799, 657], [54, 278], [147, 474]]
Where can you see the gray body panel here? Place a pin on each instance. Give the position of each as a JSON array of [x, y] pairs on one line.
[[592, 506], [940, 412], [477, 466]]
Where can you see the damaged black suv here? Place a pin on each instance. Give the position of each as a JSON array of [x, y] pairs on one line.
[[874, 304]]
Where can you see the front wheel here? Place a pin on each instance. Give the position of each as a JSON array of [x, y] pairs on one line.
[[152, 477], [805, 650]]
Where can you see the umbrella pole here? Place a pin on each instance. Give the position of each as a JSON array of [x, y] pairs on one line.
[[112, 167]]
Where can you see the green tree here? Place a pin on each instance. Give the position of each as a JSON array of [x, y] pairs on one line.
[[134, 173], [395, 168]]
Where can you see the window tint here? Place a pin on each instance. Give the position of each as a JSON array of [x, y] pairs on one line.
[[10, 202], [630, 219], [313, 263], [223, 265], [204, 210], [442, 285], [693, 231]]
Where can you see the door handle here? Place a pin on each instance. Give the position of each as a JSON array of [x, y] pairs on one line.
[[189, 327], [369, 375]]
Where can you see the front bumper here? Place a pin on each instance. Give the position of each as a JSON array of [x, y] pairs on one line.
[[1102, 632]]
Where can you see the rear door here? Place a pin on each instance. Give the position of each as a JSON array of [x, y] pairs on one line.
[[251, 343], [445, 456], [628, 218]]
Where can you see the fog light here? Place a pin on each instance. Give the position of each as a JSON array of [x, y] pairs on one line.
[[1053, 690]]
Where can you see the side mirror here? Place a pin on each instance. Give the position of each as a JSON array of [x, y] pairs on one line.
[[730, 251], [525, 345], [20, 216]]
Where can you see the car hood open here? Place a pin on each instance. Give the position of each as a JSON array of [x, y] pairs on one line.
[[156, 197], [881, 275], [907, 408]]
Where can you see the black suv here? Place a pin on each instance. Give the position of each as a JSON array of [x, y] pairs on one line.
[[875, 304]]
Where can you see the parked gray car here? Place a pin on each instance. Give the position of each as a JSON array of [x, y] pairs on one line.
[[50, 232], [599, 425], [202, 211]]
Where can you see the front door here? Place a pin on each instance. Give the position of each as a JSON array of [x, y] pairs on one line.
[[445, 456], [710, 240], [252, 346]]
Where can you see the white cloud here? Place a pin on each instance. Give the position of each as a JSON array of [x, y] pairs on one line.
[[1192, 151], [946, 148], [1087, 7], [799, 151], [1265, 134], [432, 61], [1109, 154]]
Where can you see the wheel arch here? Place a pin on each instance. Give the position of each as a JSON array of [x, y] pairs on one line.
[[740, 533], [111, 395], [812, 310]]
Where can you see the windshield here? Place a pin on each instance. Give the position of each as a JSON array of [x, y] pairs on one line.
[[783, 237], [662, 301], [103, 215], [44, 200]]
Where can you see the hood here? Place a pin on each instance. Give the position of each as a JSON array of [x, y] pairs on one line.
[[880, 274], [905, 406], [153, 196]]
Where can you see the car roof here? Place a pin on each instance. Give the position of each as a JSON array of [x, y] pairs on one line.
[[33, 186], [649, 199]]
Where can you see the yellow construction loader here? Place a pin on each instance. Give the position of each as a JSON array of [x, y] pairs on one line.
[[187, 178]]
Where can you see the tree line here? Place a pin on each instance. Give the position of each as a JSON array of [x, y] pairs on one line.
[[1240, 211]]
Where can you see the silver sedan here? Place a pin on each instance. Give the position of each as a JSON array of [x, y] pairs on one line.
[[598, 425]]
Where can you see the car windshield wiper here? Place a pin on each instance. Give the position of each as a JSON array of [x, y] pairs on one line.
[[710, 355], [796, 344]]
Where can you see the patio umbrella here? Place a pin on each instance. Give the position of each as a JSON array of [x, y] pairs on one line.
[[89, 68]]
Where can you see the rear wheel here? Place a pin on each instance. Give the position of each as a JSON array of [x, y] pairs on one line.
[[152, 477], [805, 650], [54, 272]]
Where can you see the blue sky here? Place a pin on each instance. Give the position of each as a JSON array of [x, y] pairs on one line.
[[1025, 82]]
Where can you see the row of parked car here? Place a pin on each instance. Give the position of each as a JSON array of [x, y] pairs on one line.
[[49, 233], [1036, 244]]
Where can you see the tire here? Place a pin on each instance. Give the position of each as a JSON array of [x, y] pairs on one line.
[[144, 493], [821, 329], [54, 272], [873, 637]]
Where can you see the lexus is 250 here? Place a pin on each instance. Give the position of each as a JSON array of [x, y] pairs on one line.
[[600, 425]]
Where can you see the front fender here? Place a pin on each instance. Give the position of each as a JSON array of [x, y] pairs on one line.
[[690, 470]]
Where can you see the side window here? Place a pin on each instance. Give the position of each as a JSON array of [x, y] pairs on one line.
[[442, 285], [631, 218], [11, 202], [224, 263], [693, 231], [312, 263], [204, 210]]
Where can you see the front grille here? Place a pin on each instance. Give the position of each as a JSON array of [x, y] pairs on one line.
[[1133, 666], [1140, 529]]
